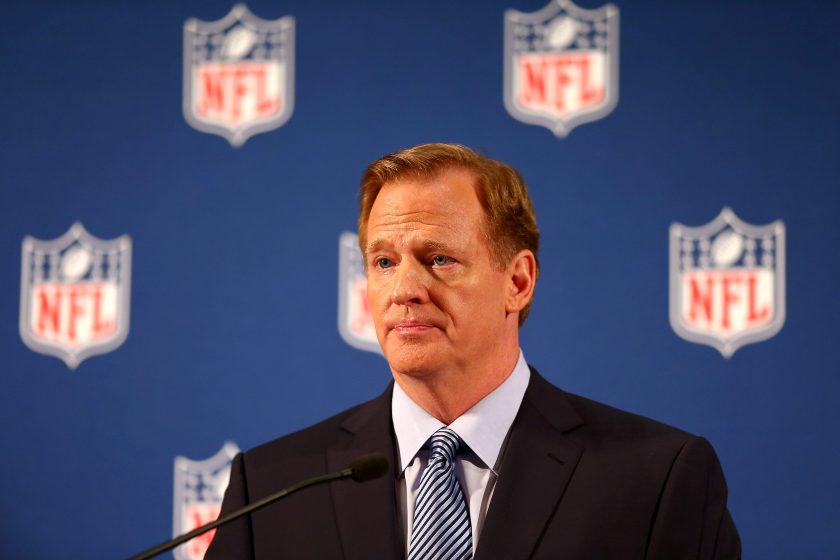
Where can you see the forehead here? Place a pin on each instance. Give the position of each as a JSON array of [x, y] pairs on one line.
[[449, 195]]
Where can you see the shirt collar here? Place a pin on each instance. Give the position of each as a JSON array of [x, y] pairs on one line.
[[483, 427]]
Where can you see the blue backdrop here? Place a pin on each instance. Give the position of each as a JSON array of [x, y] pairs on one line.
[[235, 250]]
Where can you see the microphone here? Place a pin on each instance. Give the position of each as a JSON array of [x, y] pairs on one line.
[[362, 469], [369, 467]]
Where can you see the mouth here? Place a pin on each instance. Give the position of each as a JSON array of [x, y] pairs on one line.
[[411, 327]]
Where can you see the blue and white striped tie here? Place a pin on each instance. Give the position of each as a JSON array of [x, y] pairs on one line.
[[441, 528]]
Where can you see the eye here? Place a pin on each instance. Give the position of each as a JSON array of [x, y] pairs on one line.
[[383, 262], [441, 260]]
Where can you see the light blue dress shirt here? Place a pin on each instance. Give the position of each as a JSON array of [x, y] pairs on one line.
[[483, 428]]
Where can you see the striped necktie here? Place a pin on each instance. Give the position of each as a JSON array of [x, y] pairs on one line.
[[441, 528]]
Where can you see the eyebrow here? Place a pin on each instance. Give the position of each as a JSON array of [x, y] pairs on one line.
[[436, 247], [374, 246], [428, 246]]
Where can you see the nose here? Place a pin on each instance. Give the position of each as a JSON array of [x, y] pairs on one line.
[[410, 284]]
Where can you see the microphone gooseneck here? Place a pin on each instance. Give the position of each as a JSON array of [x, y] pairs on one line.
[[362, 469]]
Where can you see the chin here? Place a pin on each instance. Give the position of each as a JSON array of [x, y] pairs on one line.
[[413, 362]]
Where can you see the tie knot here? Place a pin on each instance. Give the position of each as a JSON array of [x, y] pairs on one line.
[[445, 442]]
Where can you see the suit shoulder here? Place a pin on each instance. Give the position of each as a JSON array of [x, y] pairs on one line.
[[608, 419], [596, 422], [315, 439], [617, 437]]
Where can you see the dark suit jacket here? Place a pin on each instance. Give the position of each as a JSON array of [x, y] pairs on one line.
[[578, 480]]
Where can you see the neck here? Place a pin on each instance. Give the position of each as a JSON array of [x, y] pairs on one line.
[[448, 394]]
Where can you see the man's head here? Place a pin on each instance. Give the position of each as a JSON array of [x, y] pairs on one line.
[[509, 224], [448, 277]]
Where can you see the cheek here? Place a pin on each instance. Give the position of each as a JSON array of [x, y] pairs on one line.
[[463, 302], [376, 294], [484, 298]]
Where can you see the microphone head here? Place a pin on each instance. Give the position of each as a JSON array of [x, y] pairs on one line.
[[369, 467]]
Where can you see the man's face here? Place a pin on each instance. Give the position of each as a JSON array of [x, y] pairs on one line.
[[438, 301]]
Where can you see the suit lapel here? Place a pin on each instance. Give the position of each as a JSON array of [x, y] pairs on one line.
[[366, 513], [536, 467]]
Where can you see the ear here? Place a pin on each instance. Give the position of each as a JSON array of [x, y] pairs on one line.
[[522, 277]]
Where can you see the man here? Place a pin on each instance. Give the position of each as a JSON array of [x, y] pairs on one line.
[[489, 460]]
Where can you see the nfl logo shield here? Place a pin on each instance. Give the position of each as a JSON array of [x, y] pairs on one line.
[[355, 323], [561, 65], [199, 489], [74, 294], [239, 74], [727, 282]]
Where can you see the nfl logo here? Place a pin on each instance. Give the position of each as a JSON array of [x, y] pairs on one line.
[[74, 294], [727, 282], [199, 489], [355, 323], [239, 74], [561, 65]]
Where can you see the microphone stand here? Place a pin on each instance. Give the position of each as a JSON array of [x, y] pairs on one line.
[[362, 469]]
